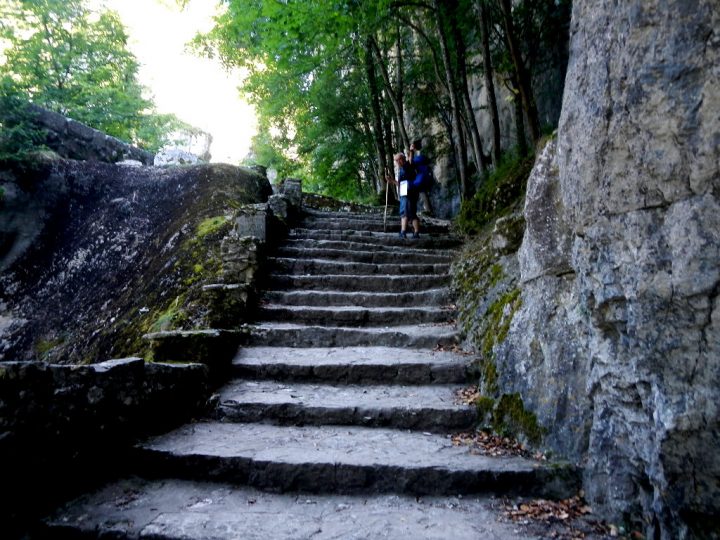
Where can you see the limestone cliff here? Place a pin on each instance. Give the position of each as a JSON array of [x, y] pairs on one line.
[[616, 343], [93, 255]]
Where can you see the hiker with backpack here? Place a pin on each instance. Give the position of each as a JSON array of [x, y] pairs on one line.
[[409, 191], [424, 175]]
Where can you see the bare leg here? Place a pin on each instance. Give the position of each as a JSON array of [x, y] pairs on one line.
[[403, 224], [416, 226]]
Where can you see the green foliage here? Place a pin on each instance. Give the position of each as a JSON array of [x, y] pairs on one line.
[[496, 195], [306, 81], [67, 58], [326, 111], [18, 135]]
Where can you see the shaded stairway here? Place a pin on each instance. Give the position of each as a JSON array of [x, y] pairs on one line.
[[339, 394]]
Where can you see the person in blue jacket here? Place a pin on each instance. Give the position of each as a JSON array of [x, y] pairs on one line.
[[424, 178], [409, 192]]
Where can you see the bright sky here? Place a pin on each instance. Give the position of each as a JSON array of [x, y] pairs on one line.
[[199, 91]]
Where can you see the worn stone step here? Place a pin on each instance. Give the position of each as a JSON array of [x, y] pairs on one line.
[[436, 241], [351, 365], [425, 336], [376, 225], [355, 315], [343, 459], [324, 266], [431, 408], [371, 214], [396, 256], [372, 283], [171, 509], [310, 243], [436, 297]]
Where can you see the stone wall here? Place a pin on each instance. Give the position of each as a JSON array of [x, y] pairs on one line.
[[63, 428], [73, 140], [616, 346]]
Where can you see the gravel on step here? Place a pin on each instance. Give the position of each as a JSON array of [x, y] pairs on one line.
[[343, 459], [172, 509]]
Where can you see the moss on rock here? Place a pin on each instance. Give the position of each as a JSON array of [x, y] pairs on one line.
[[510, 418]]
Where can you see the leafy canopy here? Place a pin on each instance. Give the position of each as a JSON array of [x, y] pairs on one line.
[[305, 65], [70, 59]]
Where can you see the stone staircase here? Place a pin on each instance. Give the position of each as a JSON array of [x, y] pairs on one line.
[[336, 421]]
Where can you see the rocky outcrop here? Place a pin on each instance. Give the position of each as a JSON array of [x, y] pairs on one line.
[[616, 346], [73, 140], [96, 255]]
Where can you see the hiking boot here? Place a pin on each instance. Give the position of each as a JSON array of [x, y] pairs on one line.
[[416, 235], [402, 234]]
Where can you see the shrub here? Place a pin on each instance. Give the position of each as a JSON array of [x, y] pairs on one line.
[[498, 192]]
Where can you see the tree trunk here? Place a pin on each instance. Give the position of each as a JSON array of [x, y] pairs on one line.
[[480, 160], [399, 74], [523, 76], [382, 157], [371, 144], [519, 120], [461, 150], [397, 105], [489, 83]]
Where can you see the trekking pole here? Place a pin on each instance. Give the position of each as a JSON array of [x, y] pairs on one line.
[[386, 205]]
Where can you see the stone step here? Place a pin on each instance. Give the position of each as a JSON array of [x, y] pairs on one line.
[[180, 509], [371, 215], [310, 243], [354, 315], [355, 283], [324, 266], [435, 241], [437, 297], [270, 334], [431, 408], [376, 225], [343, 459], [351, 365], [396, 256]]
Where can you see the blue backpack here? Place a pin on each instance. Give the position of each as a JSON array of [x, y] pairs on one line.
[[425, 179]]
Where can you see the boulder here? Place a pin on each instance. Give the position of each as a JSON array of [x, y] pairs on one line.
[[174, 156]]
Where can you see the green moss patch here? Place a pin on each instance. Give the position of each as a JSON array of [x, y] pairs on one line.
[[210, 225], [511, 419], [171, 318], [499, 316], [44, 347]]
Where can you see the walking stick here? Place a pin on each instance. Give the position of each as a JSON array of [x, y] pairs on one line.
[[386, 205]]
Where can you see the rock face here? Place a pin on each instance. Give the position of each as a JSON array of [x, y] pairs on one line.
[[175, 156], [617, 344], [71, 139], [94, 255]]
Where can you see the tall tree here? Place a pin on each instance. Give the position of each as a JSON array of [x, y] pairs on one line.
[[470, 121], [524, 82], [455, 101], [74, 61], [484, 15]]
